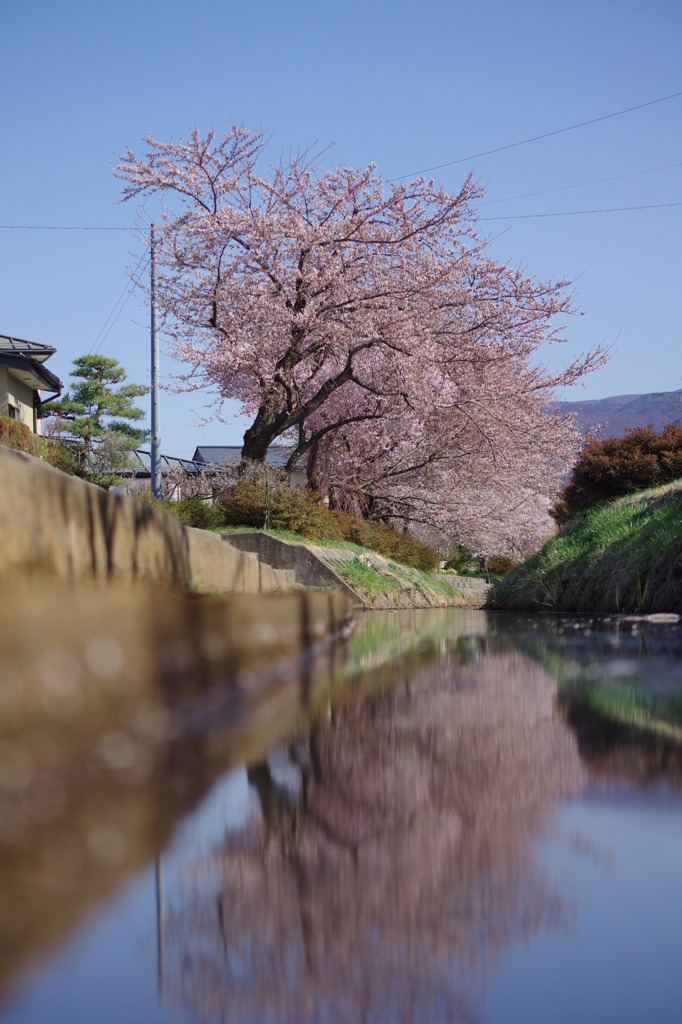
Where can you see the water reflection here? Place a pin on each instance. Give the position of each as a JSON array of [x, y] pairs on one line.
[[402, 858], [619, 685], [422, 837], [119, 709]]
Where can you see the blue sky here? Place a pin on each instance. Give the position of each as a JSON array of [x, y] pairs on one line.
[[407, 86]]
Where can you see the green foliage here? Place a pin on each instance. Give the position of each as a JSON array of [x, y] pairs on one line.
[[463, 560], [366, 579], [17, 435], [190, 511], [272, 502], [96, 418], [387, 541], [621, 465], [625, 556], [260, 500], [59, 455], [195, 512], [251, 502]]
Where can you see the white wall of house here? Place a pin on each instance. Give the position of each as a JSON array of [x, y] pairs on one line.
[[14, 395]]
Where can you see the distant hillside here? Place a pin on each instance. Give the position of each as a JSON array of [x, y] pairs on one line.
[[616, 414]]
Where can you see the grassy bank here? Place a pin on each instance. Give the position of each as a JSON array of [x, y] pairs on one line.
[[625, 556]]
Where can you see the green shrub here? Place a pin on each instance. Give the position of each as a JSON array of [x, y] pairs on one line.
[[195, 512], [265, 501], [17, 435], [249, 502], [387, 541], [621, 465], [59, 455], [190, 511], [464, 561]]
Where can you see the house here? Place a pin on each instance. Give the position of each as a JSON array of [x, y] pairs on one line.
[[180, 476], [23, 377], [217, 455]]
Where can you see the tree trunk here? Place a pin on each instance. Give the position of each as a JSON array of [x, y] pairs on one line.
[[263, 431]]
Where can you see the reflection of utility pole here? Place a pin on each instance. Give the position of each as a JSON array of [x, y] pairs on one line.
[[156, 408], [159, 921], [267, 499]]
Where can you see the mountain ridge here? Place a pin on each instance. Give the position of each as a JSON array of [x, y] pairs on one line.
[[612, 416]]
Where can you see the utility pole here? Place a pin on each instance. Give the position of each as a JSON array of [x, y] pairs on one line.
[[156, 408]]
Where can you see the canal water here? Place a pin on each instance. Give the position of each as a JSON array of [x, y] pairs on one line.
[[445, 816]]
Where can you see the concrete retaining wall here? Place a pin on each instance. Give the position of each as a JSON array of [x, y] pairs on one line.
[[473, 588], [305, 563], [120, 705], [316, 566], [56, 526]]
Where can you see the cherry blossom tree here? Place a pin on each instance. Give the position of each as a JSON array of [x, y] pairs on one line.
[[362, 319]]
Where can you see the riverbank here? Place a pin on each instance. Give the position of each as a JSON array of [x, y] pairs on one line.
[[57, 527], [621, 557]]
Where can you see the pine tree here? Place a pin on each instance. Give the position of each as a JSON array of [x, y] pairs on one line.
[[95, 418]]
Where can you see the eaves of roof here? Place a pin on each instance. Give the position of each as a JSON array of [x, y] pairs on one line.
[[31, 372]]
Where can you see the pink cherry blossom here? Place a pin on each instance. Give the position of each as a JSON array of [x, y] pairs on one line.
[[366, 322]]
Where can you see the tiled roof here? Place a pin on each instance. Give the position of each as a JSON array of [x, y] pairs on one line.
[[25, 361], [216, 454], [32, 349], [144, 459]]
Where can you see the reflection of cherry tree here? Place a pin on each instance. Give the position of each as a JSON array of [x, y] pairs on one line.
[[404, 862]]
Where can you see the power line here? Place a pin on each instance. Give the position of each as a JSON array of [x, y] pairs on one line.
[[130, 285], [58, 227], [582, 184], [537, 138], [633, 7], [583, 213]]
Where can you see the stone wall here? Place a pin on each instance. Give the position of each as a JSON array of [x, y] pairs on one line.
[[303, 561]]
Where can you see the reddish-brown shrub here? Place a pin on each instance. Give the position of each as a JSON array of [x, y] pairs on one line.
[[621, 465]]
